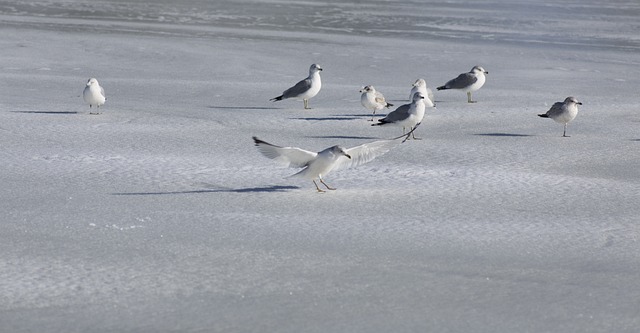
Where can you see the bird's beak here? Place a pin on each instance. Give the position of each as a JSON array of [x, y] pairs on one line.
[[579, 103], [486, 72]]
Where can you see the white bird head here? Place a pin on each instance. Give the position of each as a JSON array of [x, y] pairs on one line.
[[419, 83], [368, 89], [418, 96], [571, 100], [478, 69], [314, 68], [92, 81], [340, 151]]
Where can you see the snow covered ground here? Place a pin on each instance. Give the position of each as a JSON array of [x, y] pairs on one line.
[[160, 215]]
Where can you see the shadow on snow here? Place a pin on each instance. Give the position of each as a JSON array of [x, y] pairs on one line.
[[267, 189], [243, 107], [46, 112], [503, 134]]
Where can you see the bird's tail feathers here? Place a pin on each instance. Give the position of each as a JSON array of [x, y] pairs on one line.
[[389, 105], [544, 115], [275, 99], [442, 88]]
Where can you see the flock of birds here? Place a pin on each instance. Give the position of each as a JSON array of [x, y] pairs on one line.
[[408, 116], [315, 165]]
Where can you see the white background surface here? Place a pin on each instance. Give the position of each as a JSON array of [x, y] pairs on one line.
[[160, 215]]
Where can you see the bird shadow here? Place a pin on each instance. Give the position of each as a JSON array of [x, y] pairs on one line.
[[46, 112], [264, 189], [335, 118], [515, 135], [365, 115], [242, 107]]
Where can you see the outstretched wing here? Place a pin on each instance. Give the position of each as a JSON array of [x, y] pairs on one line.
[[290, 156], [366, 153], [297, 90], [462, 81]]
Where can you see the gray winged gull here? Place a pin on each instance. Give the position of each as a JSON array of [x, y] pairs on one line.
[[304, 89], [467, 82], [563, 112]]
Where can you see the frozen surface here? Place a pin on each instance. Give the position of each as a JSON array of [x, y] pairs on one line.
[[160, 215]]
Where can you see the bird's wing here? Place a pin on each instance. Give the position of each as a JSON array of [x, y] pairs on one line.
[[555, 109], [102, 92], [297, 90], [380, 98], [399, 114], [462, 81], [366, 153], [291, 156]]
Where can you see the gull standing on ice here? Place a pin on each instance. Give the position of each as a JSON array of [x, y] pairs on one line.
[[421, 86], [304, 89], [317, 165], [407, 115], [563, 112], [467, 82], [373, 100], [94, 95]]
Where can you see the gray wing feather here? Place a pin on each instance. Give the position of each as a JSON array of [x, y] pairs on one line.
[[399, 114], [298, 89], [290, 156], [102, 92], [462, 81], [555, 109]]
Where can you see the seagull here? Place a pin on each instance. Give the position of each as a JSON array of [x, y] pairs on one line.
[[373, 100], [94, 94], [304, 89], [467, 82], [563, 112], [406, 115], [317, 165], [421, 86]]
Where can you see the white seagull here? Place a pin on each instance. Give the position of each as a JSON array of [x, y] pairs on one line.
[[93, 94], [563, 112], [373, 100], [317, 165], [467, 82], [406, 115], [421, 86], [304, 89]]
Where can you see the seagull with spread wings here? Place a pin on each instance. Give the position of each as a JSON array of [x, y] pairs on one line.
[[317, 165]]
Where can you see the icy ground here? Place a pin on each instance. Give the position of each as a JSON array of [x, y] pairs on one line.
[[160, 215]]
